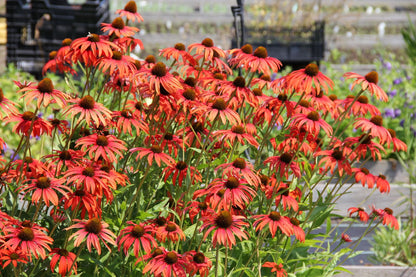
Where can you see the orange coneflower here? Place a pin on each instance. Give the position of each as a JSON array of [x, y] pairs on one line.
[[45, 93], [364, 176], [125, 119], [297, 231], [236, 133], [118, 63], [398, 145], [84, 201], [359, 107], [29, 237], [89, 110], [159, 77], [288, 198], [117, 28], [382, 184], [130, 12], [196, 207], [364, 217], [260, 62], [283, 163], [29, 122], [93, 230], [65, 260], [59, 159], [387, 216], [374, 127], [139, 236], [13, 257], [100, 146], [44, 188], [307, 79], [278, 268], [274, 220], [177, 52], [237, 92], [6, 106], [180, 172], [155, 152], [198, 263], [312, 122], [90, 48], [219, 109], [167, 264], [207, 49], [362, 144], [170, 231], [368, 82], [226, 226], [340, 158], [233, 192], [90, 177], [240, 167]]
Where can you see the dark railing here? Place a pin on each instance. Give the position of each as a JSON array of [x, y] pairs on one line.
[[37, 27]]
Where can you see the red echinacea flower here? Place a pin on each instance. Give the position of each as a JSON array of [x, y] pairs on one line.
[[100, 146], [304, 80], [167, 264], [139, 236], [368, 82], [89, 110], [278, 268], [65, 260], [94, 230], [274, 220]]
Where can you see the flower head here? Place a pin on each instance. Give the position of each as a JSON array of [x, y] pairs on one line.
[[368, 82]]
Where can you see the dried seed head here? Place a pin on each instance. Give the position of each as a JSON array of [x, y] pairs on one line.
[[260, 52], [87, 102], [207, 42], [131, 7], [312, 69], [93, 226], [247, 49], [45, 86], [224, 220], [372, 77], [159, 69]]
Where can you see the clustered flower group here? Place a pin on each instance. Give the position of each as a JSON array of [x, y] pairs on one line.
[[231, 153]]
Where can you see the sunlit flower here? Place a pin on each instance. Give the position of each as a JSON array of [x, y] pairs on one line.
[[226, 226], [360, 106], [90, 48], [236, 133], [180, 171], [64, 158], [198, 263], [130, 12], [177, 52], [288, 198], [13, 257], [340, 158], [118, 28], [312, 122], [159, 78], [94, 230], [6, 106], [44, 189], [117, 63], [304, 80], [29, 237], [278, 268], [387, 216], [100, 146], [283, 163], [240, 167], [219, 109], [89, 110], [374, 127], [368, 82], [124, 120], [364, 176], [260, 62], [297, 231], [139, 236], [274, 220], [207, 49], [364, 217], [65, 260], [155, 152], [167, 264], [29, 122], [195, 207], [398, 145], [382, 184], [364, 144], [170, 231], [45, 93], [84, 201]]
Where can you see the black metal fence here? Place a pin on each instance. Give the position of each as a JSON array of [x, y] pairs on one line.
[[37, 27]]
